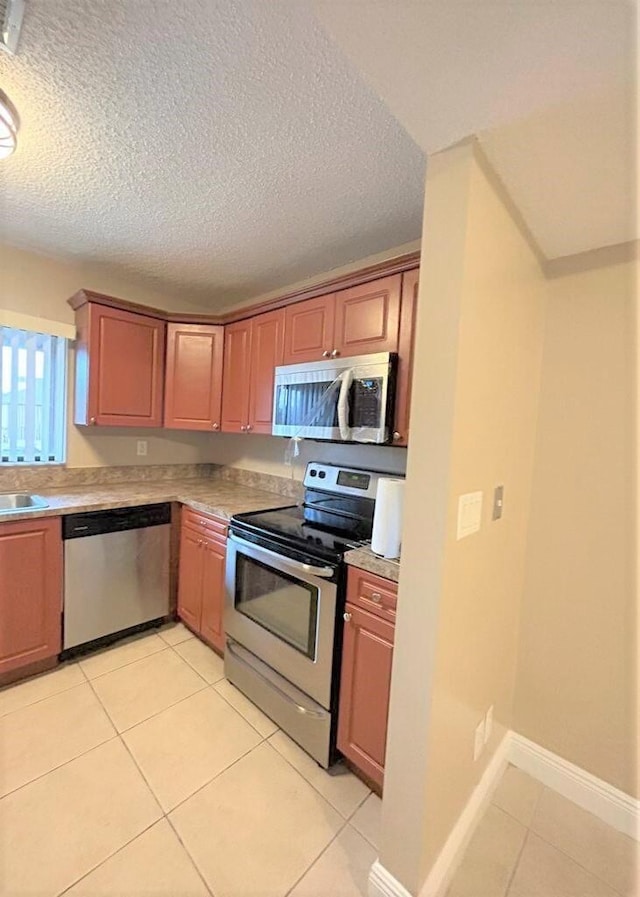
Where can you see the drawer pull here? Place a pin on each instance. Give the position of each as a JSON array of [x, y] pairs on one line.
[[346, 617], [374, 596]]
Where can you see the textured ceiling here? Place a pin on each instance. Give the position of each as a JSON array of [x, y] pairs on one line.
[[222, 146], [548, 84]]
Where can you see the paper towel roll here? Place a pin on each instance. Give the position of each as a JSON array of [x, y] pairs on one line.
[[387, 518]]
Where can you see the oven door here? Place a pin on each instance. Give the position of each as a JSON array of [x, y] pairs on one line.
[[284, 612]]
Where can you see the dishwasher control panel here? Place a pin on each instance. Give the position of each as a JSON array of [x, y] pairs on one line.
[[95, 523]]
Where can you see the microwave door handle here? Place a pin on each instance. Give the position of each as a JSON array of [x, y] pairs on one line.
[[346, 378]]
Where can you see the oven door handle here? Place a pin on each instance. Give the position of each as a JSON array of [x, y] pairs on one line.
[[306, 711], [323, 572]]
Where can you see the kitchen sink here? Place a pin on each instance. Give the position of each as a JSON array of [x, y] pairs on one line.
[[14, 502]]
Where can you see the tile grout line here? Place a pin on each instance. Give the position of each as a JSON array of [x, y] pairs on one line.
[[106, 859], [127, 663], [59, 766], [317, 790], [317, 858], [46, 697], [188, 853], [512, 874]]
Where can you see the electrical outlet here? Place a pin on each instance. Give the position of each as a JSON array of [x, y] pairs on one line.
[[498, 502], [488, 724], [478, 741], [141, 448]]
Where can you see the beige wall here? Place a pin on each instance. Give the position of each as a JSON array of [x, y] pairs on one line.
[[266, 454], [40, 286], [479, 349], [575, 684]]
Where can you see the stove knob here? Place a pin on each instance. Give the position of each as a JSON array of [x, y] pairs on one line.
[[346, 617]]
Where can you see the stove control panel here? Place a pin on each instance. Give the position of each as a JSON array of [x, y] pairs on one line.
[[343, 480]]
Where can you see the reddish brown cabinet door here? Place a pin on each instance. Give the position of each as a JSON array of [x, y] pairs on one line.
[[368, 317], [190, 578], [213, 591], [119, 368], [409, 308], [193, 384], [267, 349], [30, 592], [364, 690], [308, 329], [236, 379]]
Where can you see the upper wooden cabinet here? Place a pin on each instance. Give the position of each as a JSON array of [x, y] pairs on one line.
[[267, 347], [405, 356], [308, 328], [119, 367], [236, 378], [358, 321], [193, 383], [30, 592], [367, 318], [253, 349]]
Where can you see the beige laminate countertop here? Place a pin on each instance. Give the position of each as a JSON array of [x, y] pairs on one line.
[[219, 497], [365, 559]]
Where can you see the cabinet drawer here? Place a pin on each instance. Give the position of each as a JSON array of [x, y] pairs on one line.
[[372, 593], [214, 527]]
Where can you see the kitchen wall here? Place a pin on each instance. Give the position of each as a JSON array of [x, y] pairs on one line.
[[575, 691], [482, 305], [37, 285], [266, 454]]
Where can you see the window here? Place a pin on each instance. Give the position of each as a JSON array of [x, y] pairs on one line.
[[32, 397]]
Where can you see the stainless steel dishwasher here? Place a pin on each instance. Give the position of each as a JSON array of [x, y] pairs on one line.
[[116, 571]]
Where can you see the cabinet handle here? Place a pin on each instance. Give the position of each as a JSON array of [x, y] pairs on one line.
[[243, 429], [249, 427], [215, 426], [335, 353], [346, 617], [326, 354], [92, 421], [397, 436], [375, 596]]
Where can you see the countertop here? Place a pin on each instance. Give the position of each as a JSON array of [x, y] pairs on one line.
[[367, 560], [220, 497]]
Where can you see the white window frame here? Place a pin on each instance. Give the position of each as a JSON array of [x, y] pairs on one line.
[[43, 424]]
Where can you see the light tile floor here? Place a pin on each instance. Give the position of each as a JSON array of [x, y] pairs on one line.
[[139, 771], [532, 842]]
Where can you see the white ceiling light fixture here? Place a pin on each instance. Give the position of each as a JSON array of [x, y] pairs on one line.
[[9, 126]]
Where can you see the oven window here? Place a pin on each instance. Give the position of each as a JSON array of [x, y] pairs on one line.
[[281, 604]]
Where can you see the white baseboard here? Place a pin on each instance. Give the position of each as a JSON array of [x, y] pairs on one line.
[[383, 884], [613, 806]]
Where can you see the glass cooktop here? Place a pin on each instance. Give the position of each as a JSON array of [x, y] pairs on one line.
[[317, 531]]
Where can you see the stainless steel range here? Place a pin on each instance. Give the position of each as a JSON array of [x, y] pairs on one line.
[[285, 579]]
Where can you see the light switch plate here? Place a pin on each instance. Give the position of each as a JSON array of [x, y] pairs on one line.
[[141, 448], [478, 741], [469, 514], [488, 724]]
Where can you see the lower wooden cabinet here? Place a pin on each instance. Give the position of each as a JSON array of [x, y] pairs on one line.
[[201, 587], [30, 592], [365, 684]]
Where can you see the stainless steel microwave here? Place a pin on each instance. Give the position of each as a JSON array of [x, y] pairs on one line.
[[343, 399]]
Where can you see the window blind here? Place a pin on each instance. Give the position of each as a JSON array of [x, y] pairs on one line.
[[32, 397]]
